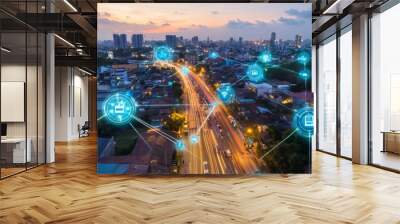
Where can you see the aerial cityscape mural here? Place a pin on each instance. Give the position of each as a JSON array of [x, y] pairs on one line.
[[210, 89]]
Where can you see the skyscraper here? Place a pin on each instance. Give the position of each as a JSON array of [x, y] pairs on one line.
[[120, 41], [137, 40], [273, 39], [116, 41], [124, 41], [298, 41], [195, 39], [171, 40]]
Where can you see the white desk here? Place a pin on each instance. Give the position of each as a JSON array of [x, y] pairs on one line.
[[19, 154]]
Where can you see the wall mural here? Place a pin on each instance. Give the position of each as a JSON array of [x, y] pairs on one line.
[[211, 89]]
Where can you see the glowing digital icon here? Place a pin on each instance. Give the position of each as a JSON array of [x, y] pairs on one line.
[[303, 58], [213, 55], [185, 70], [194, 139], [180, 145], [255, 73], [308, 120], [303, 122], [265, 57], [305, 74], [226, 93], [163, 54], [119, 108]]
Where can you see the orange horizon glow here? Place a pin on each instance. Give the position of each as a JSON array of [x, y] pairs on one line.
[[163, 18]]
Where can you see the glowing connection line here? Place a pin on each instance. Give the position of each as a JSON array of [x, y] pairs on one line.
[[205, 120], [277, 145]]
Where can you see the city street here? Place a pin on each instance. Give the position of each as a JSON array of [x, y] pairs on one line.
[[221, 148]]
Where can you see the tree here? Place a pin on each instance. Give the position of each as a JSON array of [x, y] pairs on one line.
[[177, 89], [174, 122]]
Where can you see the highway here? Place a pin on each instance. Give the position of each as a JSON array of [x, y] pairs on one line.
[[207, 119]]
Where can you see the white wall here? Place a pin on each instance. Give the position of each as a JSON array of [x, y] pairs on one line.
[[71, 102], [314, 90]]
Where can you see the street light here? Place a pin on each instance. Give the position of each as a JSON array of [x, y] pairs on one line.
[[249, 131]]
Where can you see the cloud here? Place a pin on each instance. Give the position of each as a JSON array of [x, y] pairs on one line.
[[238, 24], [166, 24], [178, 13], [214, 12], [198, 26], [303, 14], [291, 22], [106, 14], [108, 27]]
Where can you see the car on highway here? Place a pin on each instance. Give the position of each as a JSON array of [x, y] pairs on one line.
[[205, 166], [186, 128], [228, 153]]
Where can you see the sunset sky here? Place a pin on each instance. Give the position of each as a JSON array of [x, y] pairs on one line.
[[252, 21]]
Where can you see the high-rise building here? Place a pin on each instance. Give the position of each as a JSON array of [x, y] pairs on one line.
[[195, 39], [171, 40], [298, 41], [273, 39], [124, 41], [137, 40], [116, 41], [120, 41], [240, 40], [192, 58]]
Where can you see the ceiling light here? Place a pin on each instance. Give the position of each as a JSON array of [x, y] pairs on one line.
[[84, 71], [70, 5], [64, 40], [337, 7], [5, 50], [326, 11]]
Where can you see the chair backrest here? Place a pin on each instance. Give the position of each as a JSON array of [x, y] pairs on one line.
[[86, 125]]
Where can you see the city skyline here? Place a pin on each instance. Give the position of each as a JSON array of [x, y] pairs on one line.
[[129, 38], [221, 22]]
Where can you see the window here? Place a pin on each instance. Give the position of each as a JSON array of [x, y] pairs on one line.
[[327, 96], [22, 77], [385, 89], [346, 93]]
